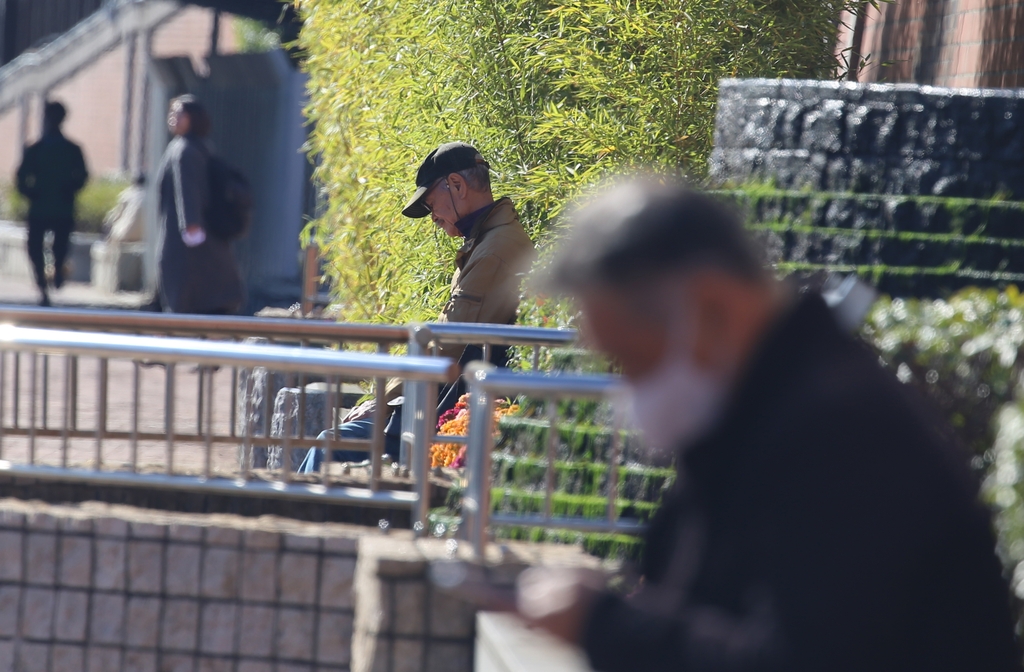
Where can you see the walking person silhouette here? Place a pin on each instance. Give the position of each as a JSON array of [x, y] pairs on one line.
[[51, 173]]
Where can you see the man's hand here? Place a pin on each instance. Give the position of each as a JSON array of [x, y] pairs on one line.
[[360, 412], [558, 599]]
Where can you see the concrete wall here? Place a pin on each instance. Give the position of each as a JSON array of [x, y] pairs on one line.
[[882, 139], [958, 43]]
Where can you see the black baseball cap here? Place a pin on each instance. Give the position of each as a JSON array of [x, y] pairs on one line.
[[449, 158]]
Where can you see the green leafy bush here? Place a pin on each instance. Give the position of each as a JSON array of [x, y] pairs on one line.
[[964, 353], [13, 206], [254, 37], [1004, 490], [557, 95], [91, 206], [95, 201]]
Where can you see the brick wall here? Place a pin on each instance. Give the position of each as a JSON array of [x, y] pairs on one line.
[[97, 587], [113, 588], [957, 43]]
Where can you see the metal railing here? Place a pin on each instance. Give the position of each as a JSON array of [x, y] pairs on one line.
[[421, 340], [57, 397], [149, 451], [486, 383]]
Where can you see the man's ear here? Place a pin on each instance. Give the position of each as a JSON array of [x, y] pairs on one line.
[[457, 185]]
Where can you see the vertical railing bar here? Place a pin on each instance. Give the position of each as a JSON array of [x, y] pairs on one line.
[[208, 467], [422, 481], [74, 392], [32, 411], [16, 389], [46, 390], [480, 443], [101, 417], [301, 420], [268, 410], [65, 425], [3, 386], [333, 385], [552, 451], [287, 468], [200, 373], [134, 446], [613, 473], [169, 381], [536, 358], [234, 402], [487, 352], [379, 420], [247, 426]]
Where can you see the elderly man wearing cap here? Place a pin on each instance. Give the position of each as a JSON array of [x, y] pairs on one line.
[[823, 518], [453, 187]]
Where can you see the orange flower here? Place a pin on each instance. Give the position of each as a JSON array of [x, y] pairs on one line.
[[445, 454]]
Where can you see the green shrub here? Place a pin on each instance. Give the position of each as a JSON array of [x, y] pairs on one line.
[[13, 206], [91, 206], [254, 37], [95, 201], [964, 353], [557, 95], [1004, 490]]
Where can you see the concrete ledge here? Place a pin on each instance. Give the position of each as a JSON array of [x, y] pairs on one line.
[[117, 267], [504, 644]]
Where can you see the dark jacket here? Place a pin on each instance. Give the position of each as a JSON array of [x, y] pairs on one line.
[[52, 171], [202, 279], [828, 522]]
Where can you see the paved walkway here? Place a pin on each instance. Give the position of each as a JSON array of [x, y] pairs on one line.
[[23, 291]]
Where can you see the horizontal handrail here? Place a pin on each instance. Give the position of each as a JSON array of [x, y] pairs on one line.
[[502, 381], [277, 328], [214, 353], [466, 333], [204, 325]]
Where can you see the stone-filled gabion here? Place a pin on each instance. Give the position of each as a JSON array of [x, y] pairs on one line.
[[870, 138]]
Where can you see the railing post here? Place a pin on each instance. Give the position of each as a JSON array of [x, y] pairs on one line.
[[425, 440], [418, 428], [414, 406], [476, 503]]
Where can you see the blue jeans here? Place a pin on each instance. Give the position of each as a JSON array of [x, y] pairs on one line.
[[360, 429]]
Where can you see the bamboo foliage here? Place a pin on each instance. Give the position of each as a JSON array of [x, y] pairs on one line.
[[556, 94]]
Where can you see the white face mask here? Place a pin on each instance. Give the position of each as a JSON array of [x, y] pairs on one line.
[[676, 403]]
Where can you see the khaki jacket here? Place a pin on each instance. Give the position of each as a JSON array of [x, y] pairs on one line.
[[489, 268]]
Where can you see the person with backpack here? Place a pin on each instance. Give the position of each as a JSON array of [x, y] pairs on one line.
[[204, 204]]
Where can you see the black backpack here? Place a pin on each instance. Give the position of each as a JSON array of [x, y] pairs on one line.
[[229, 212]]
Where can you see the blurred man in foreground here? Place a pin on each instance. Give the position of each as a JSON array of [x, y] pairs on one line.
[[822, 518]]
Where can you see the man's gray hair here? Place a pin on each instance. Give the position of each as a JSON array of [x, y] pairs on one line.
[[478, 177], [645, 227]]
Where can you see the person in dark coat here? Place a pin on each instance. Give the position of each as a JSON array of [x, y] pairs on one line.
[[198, 273], [51, 173], [823, 517]]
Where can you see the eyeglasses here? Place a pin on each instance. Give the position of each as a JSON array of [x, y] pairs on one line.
[[428, 191]]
